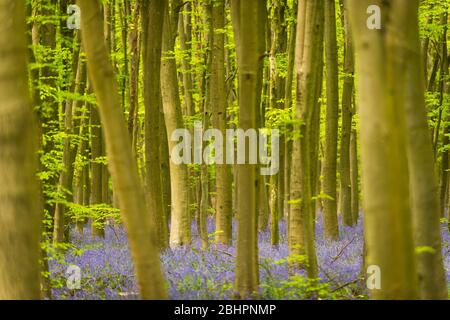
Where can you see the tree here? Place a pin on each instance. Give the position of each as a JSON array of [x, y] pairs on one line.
[[331, 227], [153, 19], [387, 211], [180, 227], [354, 174], [345, 203], [276, 95], [20, 210], [425, 206], [309, 38], [140, 230], [247, 21], [60, 232], [219, 119]]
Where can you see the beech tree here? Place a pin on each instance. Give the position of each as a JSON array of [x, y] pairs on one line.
[[301, 233], [219, 118], [247, 20], [153, 19], [330, 157], [387, 211], [180, 232], [20, 211], [137, 219]]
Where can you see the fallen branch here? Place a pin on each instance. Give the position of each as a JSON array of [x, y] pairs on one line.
[[345, 285], [225, 252], [342, 250]]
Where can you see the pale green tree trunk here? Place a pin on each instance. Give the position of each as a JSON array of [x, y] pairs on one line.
[[423, 181], [331, 227], [296, 239], [287, 105], [20, 210], [309, 44], [60, 233], [276, 95], [138, 222], [135, 41], [381, 101], [180, 228], [345, 193], [185, 34], [247, 20], [153, 19], [219, 119], [443, 89], [96, 166], [354, 175]]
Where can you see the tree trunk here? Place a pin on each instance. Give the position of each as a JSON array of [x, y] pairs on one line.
[[345, 192], [61, 229], [354, 175], [276, 97], [423, 181], [180, 228], [246, 22], [381, 102], [288, 105], [96, 168], [309, 44], [219, 118], [140, 230], [153, 26], [20, 210], [331, 227]]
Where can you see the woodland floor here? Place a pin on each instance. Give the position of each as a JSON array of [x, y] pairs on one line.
[[107, 270]]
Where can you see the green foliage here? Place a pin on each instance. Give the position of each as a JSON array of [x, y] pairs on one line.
[[100, 214], [297, 286]]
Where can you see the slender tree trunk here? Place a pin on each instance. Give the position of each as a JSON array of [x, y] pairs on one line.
[[247, 21], [423, 181], [206, 111], [354, 175], [45, 37], [309, 44], [276, 97], [61, 229], [288, 105], [134, 39], [96, 167], [164, 167], [153, 26], [331, 227], [445, 127], [138, 222], [123, 14], [184, 30], [264, 208], [296, 238], [219, 118], [315, 126], [180, 232], [82, 181], [345, 192]]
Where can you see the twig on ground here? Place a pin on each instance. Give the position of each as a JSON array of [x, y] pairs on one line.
[[342, 250], [225, 252], [345, 285]]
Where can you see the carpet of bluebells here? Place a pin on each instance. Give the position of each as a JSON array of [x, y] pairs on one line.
[[191, 273]]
